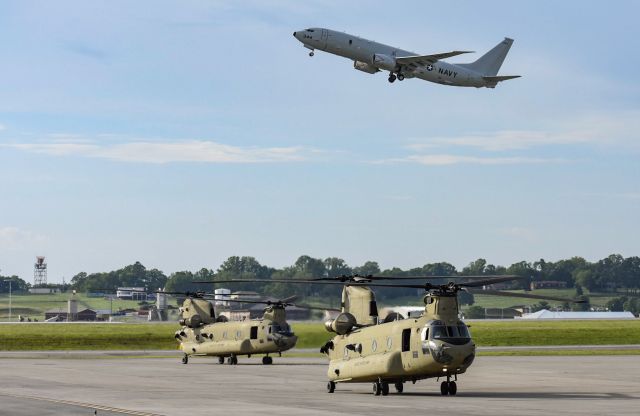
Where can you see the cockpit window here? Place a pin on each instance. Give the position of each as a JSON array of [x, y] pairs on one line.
[[284, 329], [463, 331], [310, 30], [452, 334]]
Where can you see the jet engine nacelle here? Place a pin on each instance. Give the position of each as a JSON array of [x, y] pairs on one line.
[[365, 67], [384, 61]]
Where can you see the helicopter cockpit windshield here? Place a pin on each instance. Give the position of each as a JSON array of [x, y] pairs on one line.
[[452, 334], [282, 329]]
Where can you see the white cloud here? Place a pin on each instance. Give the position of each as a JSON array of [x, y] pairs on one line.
[[13, 238], [619, 129], [447, 159], [507, 140], [166, 152]]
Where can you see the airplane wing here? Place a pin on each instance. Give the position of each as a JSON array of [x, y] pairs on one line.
[[424, 60]]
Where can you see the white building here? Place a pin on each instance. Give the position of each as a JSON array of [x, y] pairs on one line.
[[546, 314], [133, 293]]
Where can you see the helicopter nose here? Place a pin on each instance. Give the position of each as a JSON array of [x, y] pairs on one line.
[[294, 34]]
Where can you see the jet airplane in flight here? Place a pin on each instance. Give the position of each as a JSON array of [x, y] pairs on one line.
[[371, 57]]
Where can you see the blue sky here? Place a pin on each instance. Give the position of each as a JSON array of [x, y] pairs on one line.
[[180, 133]]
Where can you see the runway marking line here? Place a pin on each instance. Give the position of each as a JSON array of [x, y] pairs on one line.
[[81, 404]]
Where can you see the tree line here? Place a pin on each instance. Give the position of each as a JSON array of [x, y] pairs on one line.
[[612, 274]]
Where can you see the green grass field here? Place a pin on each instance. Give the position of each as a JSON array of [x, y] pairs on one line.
[[159, 336]]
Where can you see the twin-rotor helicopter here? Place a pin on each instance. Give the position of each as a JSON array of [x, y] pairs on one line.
[[437, 344], [205, 333]]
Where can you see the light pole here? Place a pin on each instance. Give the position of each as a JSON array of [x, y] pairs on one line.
[[9, 280]]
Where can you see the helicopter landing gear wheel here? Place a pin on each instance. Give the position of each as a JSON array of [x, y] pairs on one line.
[[311, 53], [453, 388], [444, 388], [233, 360], [377, 388], [220, 360], [384, 386], [392, 77], [266, 360], [185, 359], [400, 77], [331, 387], [399, 387]]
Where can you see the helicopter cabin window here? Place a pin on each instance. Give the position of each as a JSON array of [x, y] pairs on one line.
[[254, 332], [406, 339], [224, 335], [425, 340], [238, 334], [389, 342], [374, 345], [350, 42]]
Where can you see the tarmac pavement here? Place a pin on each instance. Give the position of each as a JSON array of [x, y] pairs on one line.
[[495, 386]]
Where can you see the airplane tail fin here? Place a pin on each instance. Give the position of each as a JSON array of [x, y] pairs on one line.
[[489, 64]]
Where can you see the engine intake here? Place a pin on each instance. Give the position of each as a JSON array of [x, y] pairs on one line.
[[365, 67]]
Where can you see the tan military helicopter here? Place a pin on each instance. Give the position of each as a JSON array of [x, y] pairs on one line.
[[205, 334], [436, 344]]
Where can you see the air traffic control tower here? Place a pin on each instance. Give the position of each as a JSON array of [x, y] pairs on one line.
[[39, 272]]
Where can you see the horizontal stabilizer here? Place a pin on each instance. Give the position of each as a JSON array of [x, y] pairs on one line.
[[500, 78], [424, 60]]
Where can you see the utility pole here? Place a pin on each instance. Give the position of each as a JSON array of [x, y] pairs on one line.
[[10, 311]]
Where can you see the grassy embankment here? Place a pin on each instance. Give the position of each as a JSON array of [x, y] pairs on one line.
[[160, 336]]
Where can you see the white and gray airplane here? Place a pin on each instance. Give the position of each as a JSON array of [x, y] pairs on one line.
[[371, 57]]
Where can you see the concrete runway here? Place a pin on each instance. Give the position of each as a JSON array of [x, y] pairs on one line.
[[590, 385]]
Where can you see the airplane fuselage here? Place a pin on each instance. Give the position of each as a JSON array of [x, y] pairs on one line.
[[370, 56]]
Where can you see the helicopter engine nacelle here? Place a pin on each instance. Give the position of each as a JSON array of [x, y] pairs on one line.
[[342, 325], [384, 61], [194, 321]]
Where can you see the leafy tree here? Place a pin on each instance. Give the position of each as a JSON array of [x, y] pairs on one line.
[[465, 298], [308, 267], [182, 282], [584, 278], [17, 285], [336, 267], [527, 273], [476, 267], [368, 268]]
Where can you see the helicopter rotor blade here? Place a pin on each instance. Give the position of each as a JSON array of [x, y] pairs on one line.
[[356, 279], [489, 281], [283, 302], [523, 295], [315, 308]]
